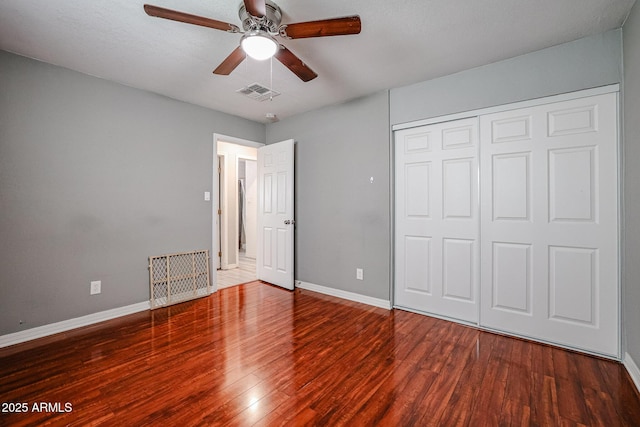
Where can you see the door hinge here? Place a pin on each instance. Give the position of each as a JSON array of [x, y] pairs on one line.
[[219, 254], [219, 211]]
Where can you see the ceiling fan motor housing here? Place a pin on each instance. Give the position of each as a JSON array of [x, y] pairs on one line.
[[270, 22]]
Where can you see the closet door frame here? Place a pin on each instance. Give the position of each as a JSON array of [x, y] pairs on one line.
[[614, 88]]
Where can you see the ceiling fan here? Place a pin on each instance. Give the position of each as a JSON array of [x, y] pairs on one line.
[[260, 25]]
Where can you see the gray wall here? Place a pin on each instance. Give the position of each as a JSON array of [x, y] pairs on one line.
[[631, 158], [94, 178], [585, 63], [342, 220]]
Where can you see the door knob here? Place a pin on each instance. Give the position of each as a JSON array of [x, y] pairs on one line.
[[289, 221]]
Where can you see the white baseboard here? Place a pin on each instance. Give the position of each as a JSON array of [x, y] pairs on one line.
[[633, 370], [66, 325], [351, 296]]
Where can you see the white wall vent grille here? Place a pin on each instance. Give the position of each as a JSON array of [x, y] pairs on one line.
[[258, 92], [179, 277]]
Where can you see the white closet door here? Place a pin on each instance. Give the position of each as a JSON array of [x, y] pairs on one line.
[[437, 224], [549, 223]]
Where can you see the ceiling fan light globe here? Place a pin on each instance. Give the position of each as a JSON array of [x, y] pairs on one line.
[[259, 45]]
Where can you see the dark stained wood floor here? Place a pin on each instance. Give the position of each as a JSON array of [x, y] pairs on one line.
[[259, 355]]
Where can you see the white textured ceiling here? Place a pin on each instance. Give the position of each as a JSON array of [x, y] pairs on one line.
[[402, 42]]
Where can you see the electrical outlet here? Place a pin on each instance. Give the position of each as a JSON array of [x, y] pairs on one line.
[[96, 287], [359, 274]]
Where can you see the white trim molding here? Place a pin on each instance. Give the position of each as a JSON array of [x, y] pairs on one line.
[[584, 93], [351, 296], [67, 325], [632, 368]]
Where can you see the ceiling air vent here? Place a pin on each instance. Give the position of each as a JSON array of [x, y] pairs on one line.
[[258, 92]]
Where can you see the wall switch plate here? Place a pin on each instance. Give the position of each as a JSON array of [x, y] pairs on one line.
[[207, 196], [359, 274], [96, 287]]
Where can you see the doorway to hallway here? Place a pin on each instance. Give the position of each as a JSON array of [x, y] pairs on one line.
[[273, 206], [236, 217]]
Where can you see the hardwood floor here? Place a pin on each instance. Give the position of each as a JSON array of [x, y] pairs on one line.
[[259, 355]]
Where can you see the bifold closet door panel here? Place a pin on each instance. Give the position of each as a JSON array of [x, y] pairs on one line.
[[549, 250], [436, 219]]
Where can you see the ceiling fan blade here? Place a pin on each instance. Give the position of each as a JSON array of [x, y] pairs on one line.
[[295, 64], [161, 12], [231, 62], [255, 8], [323, 28]]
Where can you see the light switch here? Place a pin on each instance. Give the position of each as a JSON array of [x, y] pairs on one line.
[[207, 196], [96, 287]]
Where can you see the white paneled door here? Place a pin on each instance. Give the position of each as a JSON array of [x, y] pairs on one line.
[[437, 223], [535, 253], [274, 258], [549, 223]]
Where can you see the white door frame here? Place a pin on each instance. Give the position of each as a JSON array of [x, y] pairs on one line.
[[215, 198], [220, 223]]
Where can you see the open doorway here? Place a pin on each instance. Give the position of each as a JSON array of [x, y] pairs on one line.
[[274, 210], [235, 213]]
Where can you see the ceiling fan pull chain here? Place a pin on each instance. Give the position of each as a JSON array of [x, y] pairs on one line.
[[271, 78]]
